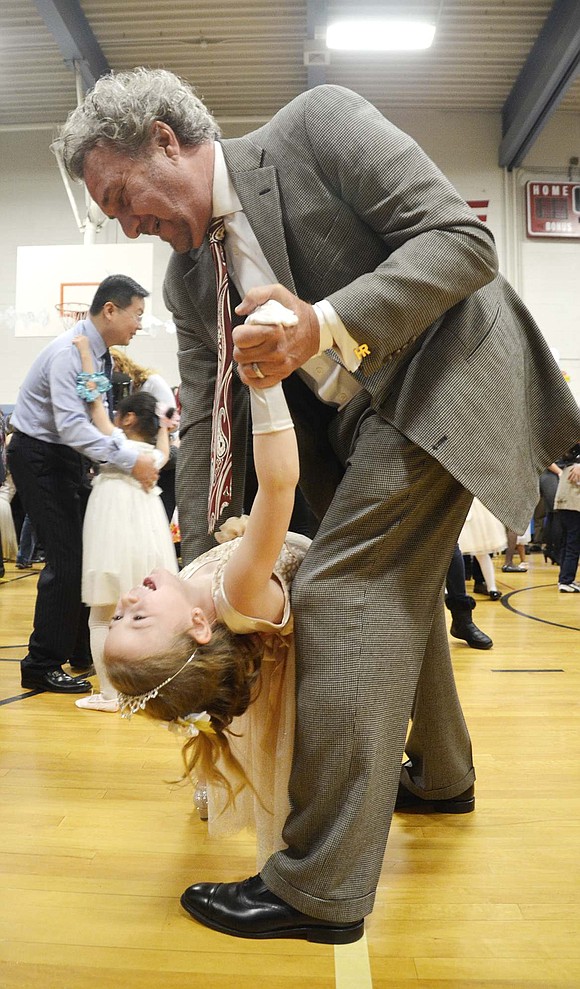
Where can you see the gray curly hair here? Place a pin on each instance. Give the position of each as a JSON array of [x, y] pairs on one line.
[[121, 109]]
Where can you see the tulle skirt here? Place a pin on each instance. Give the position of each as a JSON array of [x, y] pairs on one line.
[[126, 535], [482, 532], [9, 539]]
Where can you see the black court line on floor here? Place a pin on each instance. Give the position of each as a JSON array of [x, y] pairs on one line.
[[13, 659], [18, 576], [21, 697], [543, 621]]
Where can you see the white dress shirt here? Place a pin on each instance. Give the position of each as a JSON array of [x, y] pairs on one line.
[[248, 268]]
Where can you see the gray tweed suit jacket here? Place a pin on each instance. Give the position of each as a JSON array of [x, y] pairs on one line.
[[347, 207]]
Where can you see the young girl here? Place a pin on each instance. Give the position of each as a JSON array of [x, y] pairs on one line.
[[481, 535], [217, 641], [125, 532]]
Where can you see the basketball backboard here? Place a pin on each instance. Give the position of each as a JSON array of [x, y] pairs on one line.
[[67, 277]]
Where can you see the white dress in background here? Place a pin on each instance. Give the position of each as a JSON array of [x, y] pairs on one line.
[[482, 532], [265, 732], [7, 529], [125, 534]]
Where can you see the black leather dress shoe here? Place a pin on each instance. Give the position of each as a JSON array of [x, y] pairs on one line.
[[409, 802], [56, 682], [249, 909]]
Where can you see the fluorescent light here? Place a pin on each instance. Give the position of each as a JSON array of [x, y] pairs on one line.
[[379, 35]]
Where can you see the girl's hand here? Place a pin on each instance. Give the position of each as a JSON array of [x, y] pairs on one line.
[[276, 348], [168, 417], [81, 342]]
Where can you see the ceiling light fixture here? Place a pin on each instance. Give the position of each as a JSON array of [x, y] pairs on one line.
[[379, 35]]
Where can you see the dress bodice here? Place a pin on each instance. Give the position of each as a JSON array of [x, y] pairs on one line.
[[109, 471], [290, 558]]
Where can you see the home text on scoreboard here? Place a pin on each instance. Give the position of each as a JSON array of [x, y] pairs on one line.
[[553, 209]]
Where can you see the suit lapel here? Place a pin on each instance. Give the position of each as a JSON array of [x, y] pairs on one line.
[[200, 283], [257, 188]]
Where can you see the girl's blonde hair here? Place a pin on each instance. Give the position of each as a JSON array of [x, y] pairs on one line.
[[136, 372], [223, 678]]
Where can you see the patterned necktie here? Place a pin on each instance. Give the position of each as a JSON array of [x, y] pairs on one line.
[[108, 370], [220, 483]]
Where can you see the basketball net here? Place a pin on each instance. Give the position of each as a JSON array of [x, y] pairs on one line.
[[71, 312]]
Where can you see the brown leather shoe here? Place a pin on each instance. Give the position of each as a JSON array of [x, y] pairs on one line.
[[249, 909]]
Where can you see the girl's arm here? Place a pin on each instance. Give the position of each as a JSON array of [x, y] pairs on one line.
[[247, 578], [166, 425], [98, 412]]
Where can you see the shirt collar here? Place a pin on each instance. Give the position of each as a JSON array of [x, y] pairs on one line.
[[98, 345], [225, 197]]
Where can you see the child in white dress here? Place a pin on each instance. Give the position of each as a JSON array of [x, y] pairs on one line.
[[481, 535], [125, 531], [211, 652]]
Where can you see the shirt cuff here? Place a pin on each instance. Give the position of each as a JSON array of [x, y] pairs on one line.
[[121, 454], [335, 336]]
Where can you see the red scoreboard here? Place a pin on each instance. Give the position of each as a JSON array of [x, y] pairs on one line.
[[553, 209]]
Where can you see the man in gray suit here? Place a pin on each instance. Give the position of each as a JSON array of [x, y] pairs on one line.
[[416, 378]]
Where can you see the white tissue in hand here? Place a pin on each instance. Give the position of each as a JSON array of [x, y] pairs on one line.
[[273, 312]]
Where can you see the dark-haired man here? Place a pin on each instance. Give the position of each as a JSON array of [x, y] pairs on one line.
[[52, 435]]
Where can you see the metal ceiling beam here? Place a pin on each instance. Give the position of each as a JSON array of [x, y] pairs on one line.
[[73, 35], [548, 71]]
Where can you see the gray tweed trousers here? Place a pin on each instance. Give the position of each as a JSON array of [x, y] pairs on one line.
[[372, 651]]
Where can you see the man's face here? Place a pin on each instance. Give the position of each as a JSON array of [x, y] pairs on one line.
[[122, 324], [164, 191]]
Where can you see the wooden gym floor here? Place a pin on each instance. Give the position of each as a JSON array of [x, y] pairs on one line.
[[98, 841]]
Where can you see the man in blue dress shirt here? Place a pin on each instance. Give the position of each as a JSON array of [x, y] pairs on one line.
[[53, 434]]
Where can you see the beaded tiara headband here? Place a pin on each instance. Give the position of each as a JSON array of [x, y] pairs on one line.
[[130, 704]]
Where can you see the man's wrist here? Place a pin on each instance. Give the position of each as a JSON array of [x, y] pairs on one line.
[[326, 339], [334, 335]]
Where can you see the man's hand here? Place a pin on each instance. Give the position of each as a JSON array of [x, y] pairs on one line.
[[145, 471], [277, 350], [574, 474]]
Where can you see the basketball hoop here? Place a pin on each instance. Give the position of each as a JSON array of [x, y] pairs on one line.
[[71, 312]]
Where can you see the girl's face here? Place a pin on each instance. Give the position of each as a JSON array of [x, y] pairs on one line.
[[147, 618]]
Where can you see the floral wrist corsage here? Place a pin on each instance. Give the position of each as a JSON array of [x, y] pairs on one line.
[[90, 386]]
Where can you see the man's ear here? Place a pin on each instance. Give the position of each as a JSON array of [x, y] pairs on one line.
[[200, 630], [165, 138]]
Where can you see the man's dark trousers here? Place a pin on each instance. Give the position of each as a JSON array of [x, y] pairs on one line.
[[50, 480]]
